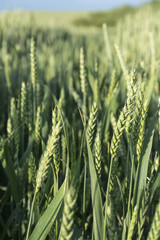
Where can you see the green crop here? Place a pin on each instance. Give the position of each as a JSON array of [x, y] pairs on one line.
[[80, 128]]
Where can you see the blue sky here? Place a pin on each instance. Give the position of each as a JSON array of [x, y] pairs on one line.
[[66, 4]]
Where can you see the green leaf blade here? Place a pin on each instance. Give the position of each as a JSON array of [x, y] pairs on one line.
[[46, 221], [98, 221]]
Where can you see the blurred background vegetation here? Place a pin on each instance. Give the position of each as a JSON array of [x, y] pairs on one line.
[[81, 18], [113, 16]]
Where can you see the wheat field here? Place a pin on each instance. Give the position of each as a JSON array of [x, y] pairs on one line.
[[80, 128]]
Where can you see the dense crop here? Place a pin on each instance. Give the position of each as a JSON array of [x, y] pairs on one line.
[[80, 129]]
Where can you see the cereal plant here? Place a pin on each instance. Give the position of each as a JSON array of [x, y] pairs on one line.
[[80, 128]]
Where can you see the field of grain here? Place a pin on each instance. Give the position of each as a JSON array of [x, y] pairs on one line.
[[80, 126]]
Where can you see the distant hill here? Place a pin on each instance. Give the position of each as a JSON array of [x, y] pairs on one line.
[[110, 17]]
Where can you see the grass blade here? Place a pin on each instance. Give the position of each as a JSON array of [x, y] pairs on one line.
[[46, 221], [141, 174], [96, 198], [10, 172]]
